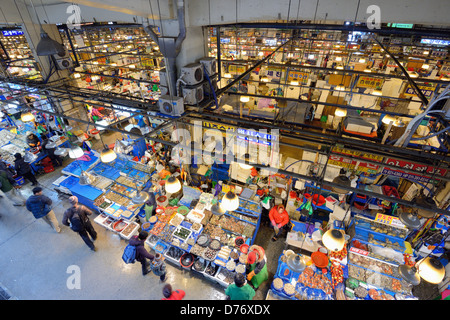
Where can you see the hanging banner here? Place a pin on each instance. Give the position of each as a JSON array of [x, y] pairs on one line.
[[369, 82], [420, 168], [358, 154], [353, 164]]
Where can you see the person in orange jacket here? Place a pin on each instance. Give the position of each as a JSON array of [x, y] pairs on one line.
[[279, 218]]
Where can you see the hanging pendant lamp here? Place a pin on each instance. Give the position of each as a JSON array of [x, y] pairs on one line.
[[431, 270], [333, 240], [409, 274], [27, 117], [230, 201], [243, 163], [342, 180], [50, 145], [426, 202], [141, 197], [295, 263], [75, 152], [107, 155], [29, 157], [409, 219], [172, 185], [86, 178], [62, 152]]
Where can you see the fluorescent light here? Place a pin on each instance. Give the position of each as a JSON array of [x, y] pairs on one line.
[[340, 112], [244, 99], [294, 83]]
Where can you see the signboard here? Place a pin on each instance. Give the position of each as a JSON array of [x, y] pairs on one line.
[[420, 168], [427, 90], [351, 164], [301, 77], [369, 82], [358, 154], [387, 219], [274, 72], [436, 42], [9, 33], [219, 126], [256, 136], [233, 68], [401, 25]]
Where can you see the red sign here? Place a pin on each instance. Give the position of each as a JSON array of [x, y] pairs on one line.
[[420, 168]]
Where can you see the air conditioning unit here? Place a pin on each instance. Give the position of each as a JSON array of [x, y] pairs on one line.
[[207, 87], [171, 105], [193, 95], [63, 61], [210, 65], [163, 77], [192, 73]]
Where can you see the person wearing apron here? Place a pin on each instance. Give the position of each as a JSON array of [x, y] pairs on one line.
[[257, 266]]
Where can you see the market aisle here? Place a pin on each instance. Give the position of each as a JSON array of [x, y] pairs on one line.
[[35, 261]]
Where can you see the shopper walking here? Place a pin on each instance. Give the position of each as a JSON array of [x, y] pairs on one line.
[[239, 290], [77, 218], [141, 253], [23, 169], [170, 294], [41, 207], [9, 190]]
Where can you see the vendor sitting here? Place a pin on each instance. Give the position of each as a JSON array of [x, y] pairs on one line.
[[256, 266], [279, 218], [33, 141]]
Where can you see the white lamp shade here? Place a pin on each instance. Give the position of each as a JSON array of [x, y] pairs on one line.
[[388, 119], [230, 201], [244, 99], [27, 117], [431, 270], [108, 155], [333, 240], [340, 112], [172, 185], [75, 152]]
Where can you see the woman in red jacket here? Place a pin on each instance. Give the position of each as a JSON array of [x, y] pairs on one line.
[[279, 218]]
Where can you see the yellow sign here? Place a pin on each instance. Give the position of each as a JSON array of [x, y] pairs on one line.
[[427, 90], [223, 128], [369, 82], [232, 68], [358, 154], [301, 77]]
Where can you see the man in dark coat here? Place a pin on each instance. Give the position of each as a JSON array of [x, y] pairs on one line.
[[23, 169], [141, 253], [40, 206], [77, 218]]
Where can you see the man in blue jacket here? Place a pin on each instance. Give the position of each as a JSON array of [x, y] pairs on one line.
[[40, 206]]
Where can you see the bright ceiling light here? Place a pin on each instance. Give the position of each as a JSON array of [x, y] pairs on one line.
[[425, 66], [340, 67], [340, 112], [27, 117], [431, 270], [75, 152], [294, 83], [377, 92], [244, 99], [333, 240], [227, 75], [362, 60], [367, 70], [230, 201], [172, 185], [387, 119], [107, 155], [264, 79], [413, 74], [338, 59]]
